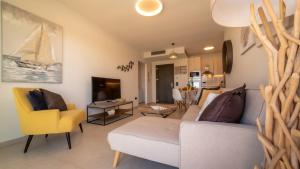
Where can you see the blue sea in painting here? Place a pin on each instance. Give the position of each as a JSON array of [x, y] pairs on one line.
[[13, 71]]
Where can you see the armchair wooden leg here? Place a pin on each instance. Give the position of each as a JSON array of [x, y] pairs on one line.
[[69, 140], [28, 143], [80, 125], [46, 135], [116, 159]]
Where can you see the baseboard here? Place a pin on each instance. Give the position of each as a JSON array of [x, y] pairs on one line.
[[13, 141]]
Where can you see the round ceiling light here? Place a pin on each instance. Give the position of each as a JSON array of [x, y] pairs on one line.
[[208, 48], [148, 7]]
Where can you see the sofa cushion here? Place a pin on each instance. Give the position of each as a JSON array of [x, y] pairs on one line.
[[153, 128], [54, 100], [228, 107], [37, 100], [149, 138], [254, 108]]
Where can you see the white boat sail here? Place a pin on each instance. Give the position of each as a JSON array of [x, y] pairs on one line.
[[36, 49]]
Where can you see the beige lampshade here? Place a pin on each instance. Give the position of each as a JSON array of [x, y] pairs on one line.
[[236, 13]]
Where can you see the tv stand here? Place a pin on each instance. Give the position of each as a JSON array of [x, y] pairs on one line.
[[105, 101], [102, 117]]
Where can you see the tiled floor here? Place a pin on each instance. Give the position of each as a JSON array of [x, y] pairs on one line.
[[90, 150]]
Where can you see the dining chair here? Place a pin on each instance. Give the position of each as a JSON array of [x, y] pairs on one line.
[[179, 100]]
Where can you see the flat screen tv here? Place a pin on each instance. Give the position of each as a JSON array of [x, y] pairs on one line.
[[105, 89]]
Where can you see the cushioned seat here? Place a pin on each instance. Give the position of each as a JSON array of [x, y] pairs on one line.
[[70, 119], [149, 138]]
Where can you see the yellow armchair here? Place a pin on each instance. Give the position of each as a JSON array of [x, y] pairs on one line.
[[45, 121]]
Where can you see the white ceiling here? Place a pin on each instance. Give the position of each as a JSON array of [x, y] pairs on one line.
[[188, 23]]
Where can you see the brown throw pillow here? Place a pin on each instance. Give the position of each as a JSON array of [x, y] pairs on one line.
[[54, 100], [227, 107]]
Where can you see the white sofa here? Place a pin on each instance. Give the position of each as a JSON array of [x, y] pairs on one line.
[[188, 144]]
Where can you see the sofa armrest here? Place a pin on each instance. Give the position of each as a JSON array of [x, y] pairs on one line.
[[211, 145], [191, 113], [43, 119], [71, 106]]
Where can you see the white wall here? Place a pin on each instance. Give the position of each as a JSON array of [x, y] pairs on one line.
[[87, 51], [142, 81], [249, 68], [148, 84], [182, 79]]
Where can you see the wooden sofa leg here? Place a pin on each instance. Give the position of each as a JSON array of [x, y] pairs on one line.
[[116, 159]]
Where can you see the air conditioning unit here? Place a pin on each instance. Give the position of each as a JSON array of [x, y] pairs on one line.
[[161, 54]]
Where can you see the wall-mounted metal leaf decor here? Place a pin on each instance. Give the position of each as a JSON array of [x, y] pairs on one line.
[[126, 68]]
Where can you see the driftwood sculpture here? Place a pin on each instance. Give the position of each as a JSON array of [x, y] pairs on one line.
[[280, 136]]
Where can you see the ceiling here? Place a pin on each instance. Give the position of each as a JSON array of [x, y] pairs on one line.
[[186, 23]]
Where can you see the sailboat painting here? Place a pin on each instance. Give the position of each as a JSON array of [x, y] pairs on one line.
[[31, 47]]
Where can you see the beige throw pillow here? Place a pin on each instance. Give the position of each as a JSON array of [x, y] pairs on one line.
[[209, 99], [205, 93]]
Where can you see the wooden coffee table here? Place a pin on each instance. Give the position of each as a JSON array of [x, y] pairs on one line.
[[165, 112]]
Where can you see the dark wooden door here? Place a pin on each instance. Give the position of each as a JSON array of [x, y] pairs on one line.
[[164, 83]]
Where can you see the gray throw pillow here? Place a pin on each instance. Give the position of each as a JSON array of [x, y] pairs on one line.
[[54, 100]]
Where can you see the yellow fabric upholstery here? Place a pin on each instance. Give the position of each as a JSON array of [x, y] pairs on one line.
[[71, 106], [45, 121], [70, 119], [205, 93]]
